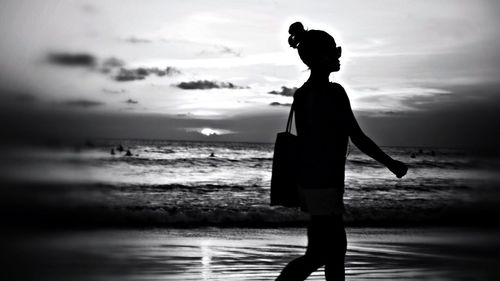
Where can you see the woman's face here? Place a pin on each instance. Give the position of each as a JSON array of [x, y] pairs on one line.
[[329, 60], [321, 55]]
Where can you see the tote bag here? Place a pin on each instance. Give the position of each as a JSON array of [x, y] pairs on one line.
[[284, 180]]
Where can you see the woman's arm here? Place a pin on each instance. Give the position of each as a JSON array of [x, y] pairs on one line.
[[370, 148]]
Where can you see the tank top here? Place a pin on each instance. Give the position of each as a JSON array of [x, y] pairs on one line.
[[323, 121]]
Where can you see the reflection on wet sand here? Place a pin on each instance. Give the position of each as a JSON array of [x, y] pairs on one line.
[[254, 254]]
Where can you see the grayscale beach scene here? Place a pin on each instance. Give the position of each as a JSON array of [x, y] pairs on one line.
[[283, 140]]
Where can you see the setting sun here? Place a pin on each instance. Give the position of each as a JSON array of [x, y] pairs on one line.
[[208, 132]]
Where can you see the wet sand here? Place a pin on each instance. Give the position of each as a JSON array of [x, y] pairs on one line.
[[249, 254]]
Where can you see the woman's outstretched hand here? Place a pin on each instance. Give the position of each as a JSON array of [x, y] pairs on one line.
[[398, 168]]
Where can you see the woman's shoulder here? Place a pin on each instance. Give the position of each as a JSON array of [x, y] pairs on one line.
[[337, 87], [339, 91], [309, 88], [300, 91]]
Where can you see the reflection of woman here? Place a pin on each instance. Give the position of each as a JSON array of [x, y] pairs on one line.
[[325, 122]]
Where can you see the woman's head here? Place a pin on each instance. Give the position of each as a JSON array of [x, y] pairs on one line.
[[317, 49]]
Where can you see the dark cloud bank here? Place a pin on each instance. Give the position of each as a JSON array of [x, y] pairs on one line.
[[72, 59], [285, 91], [469, 123], [83, 103], [131, 74], [111, 66], [468, 117], [207, 85]]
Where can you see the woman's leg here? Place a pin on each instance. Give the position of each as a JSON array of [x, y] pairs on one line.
[[299, 269], [326, 246], [335, 267], [328, 243]]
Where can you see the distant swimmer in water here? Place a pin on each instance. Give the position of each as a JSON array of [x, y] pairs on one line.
[[129, 153], [112, 152], [212, 154], [120, 148]]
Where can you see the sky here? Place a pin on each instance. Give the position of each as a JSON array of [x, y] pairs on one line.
[[418, 73]]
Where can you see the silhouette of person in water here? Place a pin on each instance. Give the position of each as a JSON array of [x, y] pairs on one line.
[[324, 123]]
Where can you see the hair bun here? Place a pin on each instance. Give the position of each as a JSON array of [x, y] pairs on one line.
[[296, 31], [296, 28]]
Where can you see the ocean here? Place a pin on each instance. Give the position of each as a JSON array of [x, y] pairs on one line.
[[192, 184], [178, 210]]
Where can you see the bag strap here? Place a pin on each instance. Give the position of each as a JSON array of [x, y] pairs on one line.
[[290, 119]]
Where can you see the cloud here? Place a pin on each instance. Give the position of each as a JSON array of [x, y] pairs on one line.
[[224, 50], [83, 103], [227, 50], [131, 101], [111, 63], [184, 114], [206, 85], [72, 59], [285, 91], [125, 75], [112, 66], [401, 99], [131, 74], [280, 104], [110, 91], [137, 40], [467, 117], [170, 70]]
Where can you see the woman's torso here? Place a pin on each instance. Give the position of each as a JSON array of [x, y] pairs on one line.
[[322, 116]]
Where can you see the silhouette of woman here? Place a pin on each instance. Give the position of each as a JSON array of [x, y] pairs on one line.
[[325, 122]]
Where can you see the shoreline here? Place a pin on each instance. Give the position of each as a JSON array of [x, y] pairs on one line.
[[251, 254]]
